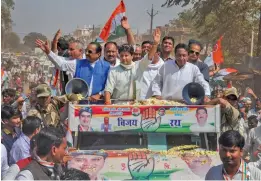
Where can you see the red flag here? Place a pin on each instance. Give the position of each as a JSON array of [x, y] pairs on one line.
[[2, 73], [217, 52], [56, 77]]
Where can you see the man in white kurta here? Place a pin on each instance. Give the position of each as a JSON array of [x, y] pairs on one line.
[[149, 75], [174, 75], [75, 51]]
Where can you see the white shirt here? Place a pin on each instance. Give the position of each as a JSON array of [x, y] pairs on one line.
[[118, 62], [11, 172], [64, 63], [4, 162], [253, 143], [148, 76], [24, 175], [199, 129], [171, 80]]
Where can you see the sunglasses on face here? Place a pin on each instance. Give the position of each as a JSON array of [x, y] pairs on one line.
[[192, 52], [89, 52]]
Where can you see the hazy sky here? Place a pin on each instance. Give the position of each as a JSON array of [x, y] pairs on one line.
[[46, 16]]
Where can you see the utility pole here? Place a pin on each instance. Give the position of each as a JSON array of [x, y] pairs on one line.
[[151, 14], [93, 32], [252, 43]]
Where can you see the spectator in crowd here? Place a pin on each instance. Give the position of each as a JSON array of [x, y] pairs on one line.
[[257, 103], [11, 124], [252, 122], [14, 169], [4, 161], [253, 143], [231, 145], [8, 96], [21, 147], [50, 150]]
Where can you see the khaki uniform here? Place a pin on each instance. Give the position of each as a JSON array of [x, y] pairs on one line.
[[230, 119], [51, 115]]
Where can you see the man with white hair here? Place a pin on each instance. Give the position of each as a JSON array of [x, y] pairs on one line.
[[75, 51]]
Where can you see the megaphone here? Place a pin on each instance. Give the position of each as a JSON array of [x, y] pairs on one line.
[[77, 86], [193, 94]]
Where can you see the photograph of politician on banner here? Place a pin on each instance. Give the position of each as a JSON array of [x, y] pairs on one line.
[[82, 121], [90, 162], [202, 121]]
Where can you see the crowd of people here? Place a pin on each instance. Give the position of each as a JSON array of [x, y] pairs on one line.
[[34, 145]]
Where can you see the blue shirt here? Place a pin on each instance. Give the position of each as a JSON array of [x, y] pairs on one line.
[[95, 77], [20, 149]]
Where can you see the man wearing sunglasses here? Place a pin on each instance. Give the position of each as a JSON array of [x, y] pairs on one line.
[[194, 53], [94, 70]]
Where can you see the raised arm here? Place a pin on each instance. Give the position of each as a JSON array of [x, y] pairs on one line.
[[60, 62], [125, 24], [156, 38], [55, 41], [146, 60]]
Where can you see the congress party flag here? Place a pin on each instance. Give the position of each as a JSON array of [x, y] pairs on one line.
[[226, 71], [113, 28], [216, 55], [223, 72]]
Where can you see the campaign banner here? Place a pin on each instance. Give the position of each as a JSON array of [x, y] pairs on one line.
[[161, 119], [143, 164]]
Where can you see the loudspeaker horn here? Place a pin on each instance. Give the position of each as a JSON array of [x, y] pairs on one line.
[[77, 86], [193, 94]]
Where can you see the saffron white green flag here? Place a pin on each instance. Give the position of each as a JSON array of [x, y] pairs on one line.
[[113, 28]]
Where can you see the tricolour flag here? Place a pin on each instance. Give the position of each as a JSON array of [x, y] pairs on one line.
[[113, 28], [226, 71], [223, 72], [216, 55]]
